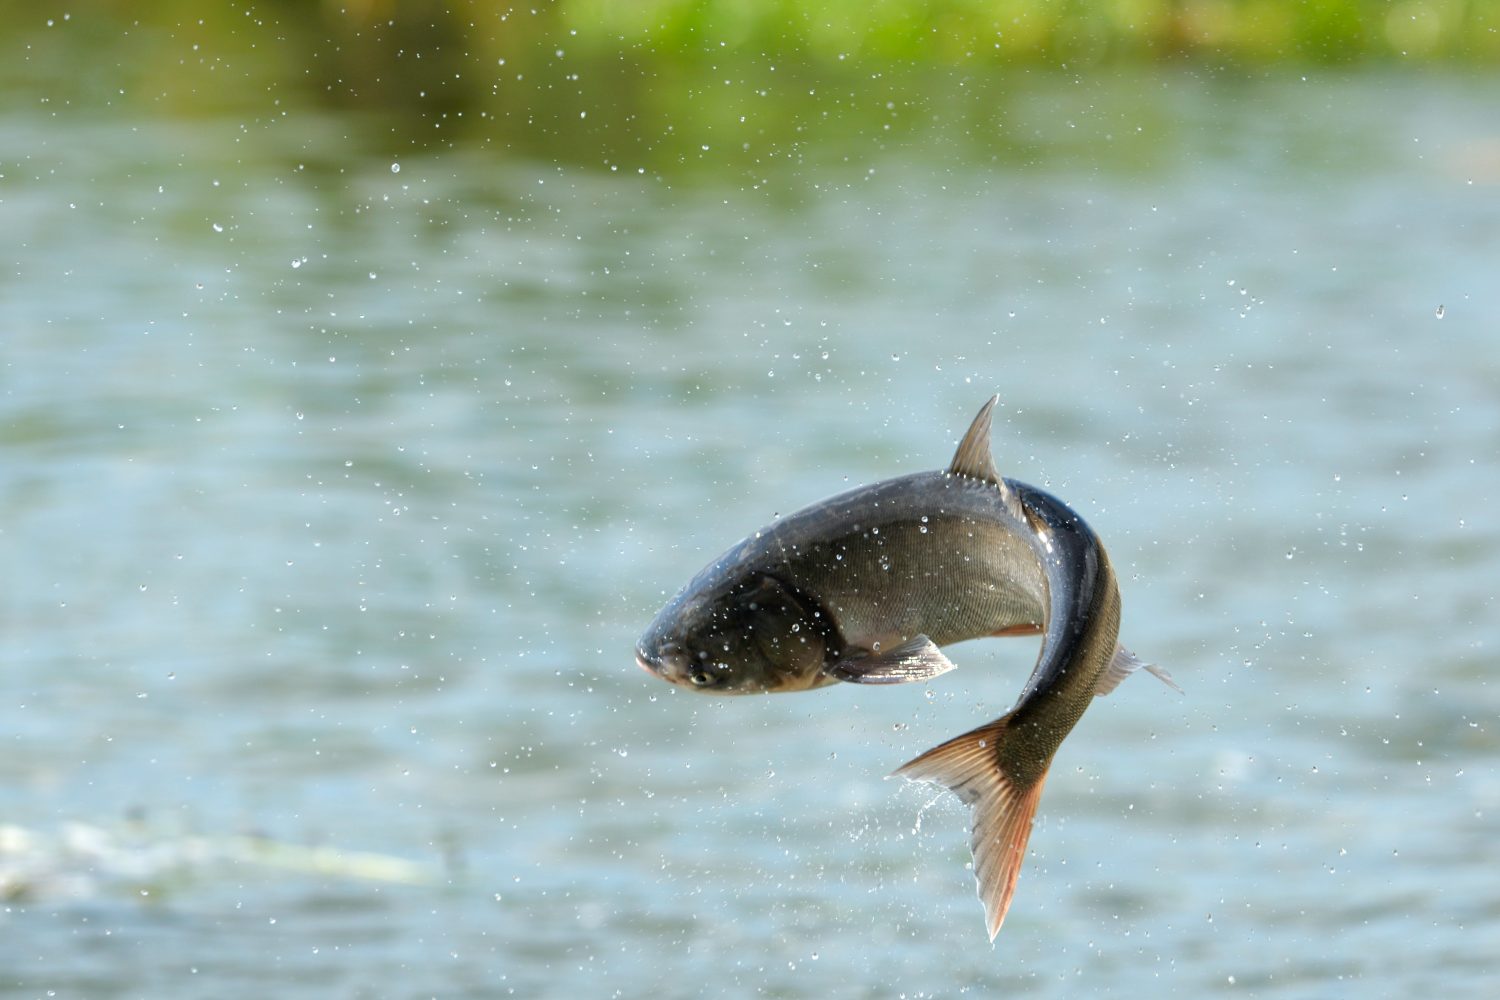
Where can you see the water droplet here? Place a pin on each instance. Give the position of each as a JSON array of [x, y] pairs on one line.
[[395, 168], [1439, 312]]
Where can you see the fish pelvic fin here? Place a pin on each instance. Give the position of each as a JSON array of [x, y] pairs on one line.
[[1002, 808], [1122, 665]]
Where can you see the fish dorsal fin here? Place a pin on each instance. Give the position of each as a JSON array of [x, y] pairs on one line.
[[973, 456]]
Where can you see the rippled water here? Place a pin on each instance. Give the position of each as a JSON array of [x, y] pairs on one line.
[[336, 486]]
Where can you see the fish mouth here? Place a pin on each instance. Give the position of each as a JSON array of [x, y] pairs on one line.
[[645, 664], [664, 663]]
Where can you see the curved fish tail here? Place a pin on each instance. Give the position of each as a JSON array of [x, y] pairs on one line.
[[1002, 808]]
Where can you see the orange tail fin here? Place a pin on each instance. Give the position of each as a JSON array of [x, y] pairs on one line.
[[1003, 810]]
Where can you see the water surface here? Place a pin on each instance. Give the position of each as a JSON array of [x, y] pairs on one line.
[[337, 485]]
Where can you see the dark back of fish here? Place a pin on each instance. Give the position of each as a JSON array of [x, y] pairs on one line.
[[928, 553]]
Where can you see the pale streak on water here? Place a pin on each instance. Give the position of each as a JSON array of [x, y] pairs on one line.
[[334, 498]]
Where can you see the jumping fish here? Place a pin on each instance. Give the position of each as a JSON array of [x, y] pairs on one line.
[[866, 586]]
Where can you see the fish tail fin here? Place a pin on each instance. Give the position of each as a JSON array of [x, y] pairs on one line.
[[1002, 808]]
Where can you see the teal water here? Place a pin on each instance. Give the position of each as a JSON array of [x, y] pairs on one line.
[[337, 483]]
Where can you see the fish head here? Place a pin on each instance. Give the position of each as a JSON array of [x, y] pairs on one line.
[[750, 635]]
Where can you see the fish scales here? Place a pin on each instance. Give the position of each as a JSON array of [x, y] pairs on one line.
[[929, 553]]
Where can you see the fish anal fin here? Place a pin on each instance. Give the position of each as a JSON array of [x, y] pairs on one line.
[[1002, 809], [1164, 677], [1122, 665], [916, 659]]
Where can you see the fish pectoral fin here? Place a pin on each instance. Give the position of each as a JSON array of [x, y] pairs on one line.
[[1002, 809], [916, 659], [1122, 665]]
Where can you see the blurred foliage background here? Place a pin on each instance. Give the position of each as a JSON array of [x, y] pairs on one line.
[[607, 81]]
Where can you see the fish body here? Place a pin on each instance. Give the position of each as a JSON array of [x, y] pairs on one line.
[[866, 586]]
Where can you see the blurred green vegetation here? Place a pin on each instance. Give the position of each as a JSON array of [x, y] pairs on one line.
[[354, 44], [617, 83]]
